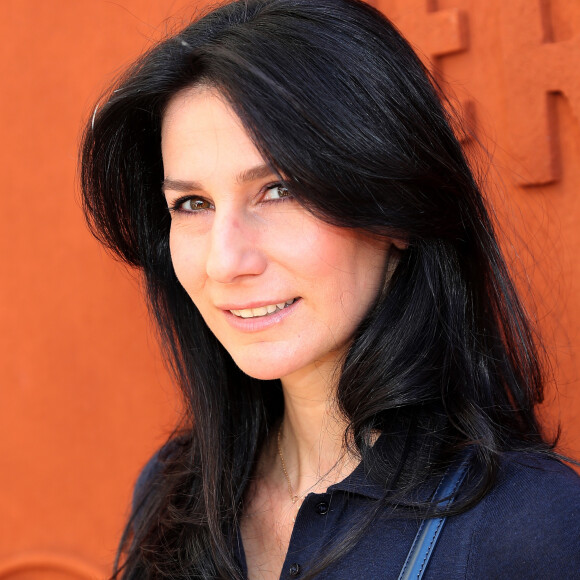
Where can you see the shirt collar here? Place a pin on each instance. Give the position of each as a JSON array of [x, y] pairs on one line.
[[361, 480], [365, 481]]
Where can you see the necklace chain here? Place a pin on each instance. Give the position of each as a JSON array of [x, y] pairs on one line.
[[293, 496]]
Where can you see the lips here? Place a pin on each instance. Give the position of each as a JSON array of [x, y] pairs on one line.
[[262, 310]]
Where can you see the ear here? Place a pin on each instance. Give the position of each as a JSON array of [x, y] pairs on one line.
[[399, 243]]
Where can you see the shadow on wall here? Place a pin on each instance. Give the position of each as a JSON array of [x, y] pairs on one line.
[[48, 567]]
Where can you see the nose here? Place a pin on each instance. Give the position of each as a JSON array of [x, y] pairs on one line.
[[235, 248]]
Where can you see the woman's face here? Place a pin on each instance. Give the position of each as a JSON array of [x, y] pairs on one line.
[[281, 290]]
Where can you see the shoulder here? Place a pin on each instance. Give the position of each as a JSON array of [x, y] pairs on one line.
[[528, 526], [531, 486], [147, 476], [153, 473]]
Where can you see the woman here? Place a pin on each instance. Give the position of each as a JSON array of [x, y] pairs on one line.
[[334, 305]]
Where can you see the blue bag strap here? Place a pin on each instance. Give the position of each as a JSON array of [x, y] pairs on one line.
[[428, 534]]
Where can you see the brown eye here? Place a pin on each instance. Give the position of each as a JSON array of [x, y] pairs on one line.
[[195, 204], [276, 191]]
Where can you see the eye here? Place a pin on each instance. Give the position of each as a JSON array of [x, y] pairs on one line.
[[276, 191], [191, 205]]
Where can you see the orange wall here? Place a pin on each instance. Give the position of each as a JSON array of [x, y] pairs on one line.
[[84, 399]]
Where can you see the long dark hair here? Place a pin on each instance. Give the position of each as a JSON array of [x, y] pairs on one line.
[[338, 103]]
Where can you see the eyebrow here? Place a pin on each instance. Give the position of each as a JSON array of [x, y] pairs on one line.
[[252, 174]]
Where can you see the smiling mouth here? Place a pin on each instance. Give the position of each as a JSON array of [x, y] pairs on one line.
[[262, 310]]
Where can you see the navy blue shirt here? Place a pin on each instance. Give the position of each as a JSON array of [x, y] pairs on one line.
[[527, 527]]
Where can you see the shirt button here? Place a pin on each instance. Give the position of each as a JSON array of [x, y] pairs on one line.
[[294, 570], [321, 508]]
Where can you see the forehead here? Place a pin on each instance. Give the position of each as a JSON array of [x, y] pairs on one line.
[[201, 133], [203, 98]]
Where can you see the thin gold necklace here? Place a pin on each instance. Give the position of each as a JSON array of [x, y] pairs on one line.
[[293, 497]]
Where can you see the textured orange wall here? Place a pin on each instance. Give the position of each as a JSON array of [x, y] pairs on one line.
[[84, 398], [513, 67]]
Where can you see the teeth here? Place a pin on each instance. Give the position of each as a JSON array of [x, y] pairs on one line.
[[262, 310]]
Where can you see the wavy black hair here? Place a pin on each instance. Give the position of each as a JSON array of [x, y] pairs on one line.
[[337, 102]]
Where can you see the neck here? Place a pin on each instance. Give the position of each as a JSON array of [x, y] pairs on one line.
[[312, 433]]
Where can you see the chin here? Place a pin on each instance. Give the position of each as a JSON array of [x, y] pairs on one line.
[[266, 368], [261, 372]]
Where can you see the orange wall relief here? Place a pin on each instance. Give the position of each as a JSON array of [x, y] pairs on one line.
[[84, 395], [511, 68]]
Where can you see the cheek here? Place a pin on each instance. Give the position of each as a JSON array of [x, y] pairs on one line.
[[356, 263], [188, 262]]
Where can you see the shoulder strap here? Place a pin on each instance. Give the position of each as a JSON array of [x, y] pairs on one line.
[[428, 534]]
